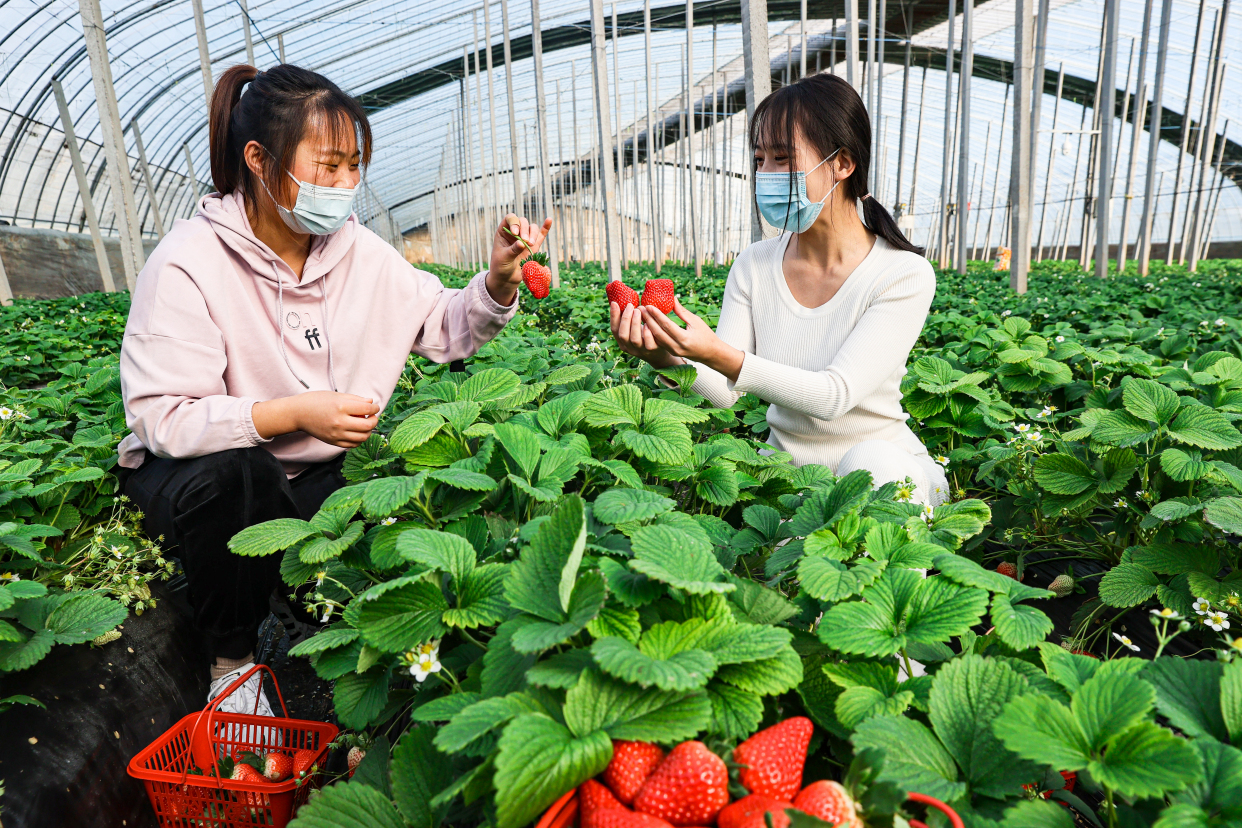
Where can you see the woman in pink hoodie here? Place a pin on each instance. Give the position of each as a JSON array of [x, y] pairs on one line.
[[266, 334]]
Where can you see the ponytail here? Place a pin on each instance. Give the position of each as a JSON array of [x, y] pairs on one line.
[[828, 113], [277, 109]]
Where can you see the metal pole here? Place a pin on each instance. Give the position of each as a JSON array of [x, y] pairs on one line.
[[511, 105], [1037, 84], [871, 70], [560, 153], [280, 46], [690, 119], [84, 190], [189, 165], [490, 222], [541, 122], [599, 72], [1202, 253], [124, 203], [1197, 155], [802, 40], [757, 65], [710, 137], [1090, 204], [473, 233], [942, 225], [852, 74], [982, 170], [1052, 148], [1200, 213], [1020, 177], [963, 141], [246, 30], [657, 234], [493, 136], [146, 178], [204, 56], [1190, 88], [880, 133], [901, 140], [1107, 109], [1157, 113], [1072, 189], [918, 142], [620, 155], [1000, 142], [1135, 134]]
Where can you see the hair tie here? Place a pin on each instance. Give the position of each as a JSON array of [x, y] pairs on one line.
[[865, 196]]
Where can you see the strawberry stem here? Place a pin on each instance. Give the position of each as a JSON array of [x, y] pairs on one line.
[[519, 238]]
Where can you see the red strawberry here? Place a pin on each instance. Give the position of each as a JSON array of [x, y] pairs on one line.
[[356, 755], [243, 772], [829, 801], [277, 766], [537, 276], [303, 763], [622, 294], [748, 812], [773, 758], [632, 763], [1008, 569], [620, 818], [689, 787], [659, 292], [592, 796]]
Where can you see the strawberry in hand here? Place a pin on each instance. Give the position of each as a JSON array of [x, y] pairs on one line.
[[659, 292], [622, 294], [515, 240], [536, 275]]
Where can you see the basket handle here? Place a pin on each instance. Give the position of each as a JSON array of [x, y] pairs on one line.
[[210, 710], [932, 802]]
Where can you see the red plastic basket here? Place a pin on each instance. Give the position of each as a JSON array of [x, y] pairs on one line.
[[182, 799]]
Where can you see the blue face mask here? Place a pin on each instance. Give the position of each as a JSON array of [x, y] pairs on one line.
[[318, 210], [783, 211]]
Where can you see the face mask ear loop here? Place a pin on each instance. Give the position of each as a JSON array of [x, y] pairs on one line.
[[280, 326], [822, 163], [323, 304]]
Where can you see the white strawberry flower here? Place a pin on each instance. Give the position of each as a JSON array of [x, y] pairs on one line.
[[1022, 428], [424, 661], [388, 521], [1060, 338], [1007, 313], [1034, 435], [327, 613], [1125, 640], [319, 576], [928, 514], [1217, 620], [1220, 323], [942, 460], [5, 413], [1201, 606], [9, 577], [1119, 503]]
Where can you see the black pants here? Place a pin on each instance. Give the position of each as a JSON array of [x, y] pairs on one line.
[[198, 504]]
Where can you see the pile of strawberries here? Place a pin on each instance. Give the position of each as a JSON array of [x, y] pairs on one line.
[[642, 787], [273, 766], [657, 292]]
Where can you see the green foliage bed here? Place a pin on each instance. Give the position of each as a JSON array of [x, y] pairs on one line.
[[553, 550]]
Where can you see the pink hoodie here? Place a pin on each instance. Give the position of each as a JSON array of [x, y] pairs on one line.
[[219, 322]]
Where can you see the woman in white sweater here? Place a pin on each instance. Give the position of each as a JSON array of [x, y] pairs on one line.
[[818, 321]]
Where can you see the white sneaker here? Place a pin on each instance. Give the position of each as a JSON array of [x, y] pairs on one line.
[[243, 698]]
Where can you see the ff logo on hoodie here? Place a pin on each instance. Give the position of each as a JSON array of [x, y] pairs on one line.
[[295, 320]]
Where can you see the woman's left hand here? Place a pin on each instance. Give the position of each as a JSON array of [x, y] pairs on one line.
[[697, 341], [515, 239]]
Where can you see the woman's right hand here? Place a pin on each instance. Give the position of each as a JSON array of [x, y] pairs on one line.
[[344, 420], [635, 339]]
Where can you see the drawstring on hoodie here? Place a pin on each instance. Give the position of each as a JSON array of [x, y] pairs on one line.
[[280, 325]]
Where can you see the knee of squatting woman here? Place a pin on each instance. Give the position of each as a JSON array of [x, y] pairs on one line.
[[819, 320], [265, 336]]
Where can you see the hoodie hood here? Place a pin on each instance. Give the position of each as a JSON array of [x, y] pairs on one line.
[[227, 215]]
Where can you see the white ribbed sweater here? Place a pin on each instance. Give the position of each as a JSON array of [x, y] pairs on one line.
[[832, 373]]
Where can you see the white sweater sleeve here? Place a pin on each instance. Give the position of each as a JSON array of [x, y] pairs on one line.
[[878, 345], [737, 328]]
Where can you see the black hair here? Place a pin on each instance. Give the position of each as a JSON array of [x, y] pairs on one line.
[[278, 110], [830, 116]]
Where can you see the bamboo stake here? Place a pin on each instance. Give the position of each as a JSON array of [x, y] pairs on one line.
[[757, 65], [942, 225], [963, 181], [852, 73], [146, 179], [1020, 178], [519, 199], [657, 234], [689, 135], [246, 30], [204, 57], [898, 208], [493, 136], [1052, 149], [280, 46], [1136, 134]]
